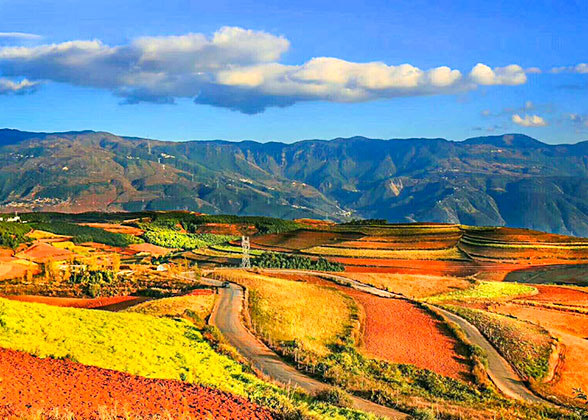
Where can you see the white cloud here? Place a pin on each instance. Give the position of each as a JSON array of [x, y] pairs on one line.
[[8, 86], [529, 120], [510, 75], [581, 68], [234, 68], [533, 70], [578, 119], [14, 36]]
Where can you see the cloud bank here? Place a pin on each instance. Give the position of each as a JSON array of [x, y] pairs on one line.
[[234, 68]]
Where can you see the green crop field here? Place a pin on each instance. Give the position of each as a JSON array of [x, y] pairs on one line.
[[486, 290]]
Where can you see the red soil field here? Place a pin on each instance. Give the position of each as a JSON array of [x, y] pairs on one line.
[[200, 292], [315, 222], [42, 252], [560, 295], [400, 332], [375, 265], [29, 384], [116, 228], [73, 302], [156, 251]]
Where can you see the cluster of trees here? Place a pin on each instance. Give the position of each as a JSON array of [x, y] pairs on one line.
[[171, 238], [190, 221], [295, 262], [81, 234], [13, 234]]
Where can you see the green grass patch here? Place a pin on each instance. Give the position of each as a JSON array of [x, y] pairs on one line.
[[485, 290]]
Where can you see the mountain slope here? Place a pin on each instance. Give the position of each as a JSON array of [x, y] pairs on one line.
[[511, 179]]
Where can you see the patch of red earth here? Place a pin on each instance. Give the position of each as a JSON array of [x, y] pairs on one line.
[[29, 384], [73, 302], [200, 292], [302, 238], [42, 252], [108, 248], [398, 331], [156, 251], [560, 295], [116, 228], [377, 265]]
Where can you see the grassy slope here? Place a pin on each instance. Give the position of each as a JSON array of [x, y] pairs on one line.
[[176, 306], [138, 344]]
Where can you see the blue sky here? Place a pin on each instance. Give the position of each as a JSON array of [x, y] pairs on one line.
[[268, 70]]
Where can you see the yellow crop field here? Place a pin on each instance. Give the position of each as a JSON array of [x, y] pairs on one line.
[[176, 306], [415, 286], [410, 254], [286, 310]]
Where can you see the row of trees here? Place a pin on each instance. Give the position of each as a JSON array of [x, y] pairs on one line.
[[295, 262]]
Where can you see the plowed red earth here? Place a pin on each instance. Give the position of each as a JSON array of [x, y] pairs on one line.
[[74, 302], [560, 295], [29, 384], [400, 332]]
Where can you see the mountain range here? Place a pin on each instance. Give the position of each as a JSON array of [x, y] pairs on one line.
[[510, 179]]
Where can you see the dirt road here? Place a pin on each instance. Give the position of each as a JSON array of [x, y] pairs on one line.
[[499, 370], [226, 316]]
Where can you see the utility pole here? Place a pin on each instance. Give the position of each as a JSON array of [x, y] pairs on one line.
[[245, 246]]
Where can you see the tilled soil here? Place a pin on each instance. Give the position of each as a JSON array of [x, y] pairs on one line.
[[29, 385]]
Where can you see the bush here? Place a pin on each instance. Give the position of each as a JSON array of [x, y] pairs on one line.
[[334, 396]]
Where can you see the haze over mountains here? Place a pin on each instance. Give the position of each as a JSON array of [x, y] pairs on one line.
[[511, 179]]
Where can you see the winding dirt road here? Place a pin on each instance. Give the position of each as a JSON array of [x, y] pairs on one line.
[[226, 316], [500, 371]]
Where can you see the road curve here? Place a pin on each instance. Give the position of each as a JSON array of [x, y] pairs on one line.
[[226, 316], [500, 371]]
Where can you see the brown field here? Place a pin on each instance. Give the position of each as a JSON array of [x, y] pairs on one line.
[[516, 235], [29, 385], [116, 228], [572, 331], [300, 239], [156, 251], [414, 286], [395, 244], [314, 222], [41, 252], [233, 229], [401, 254], [400, 332]]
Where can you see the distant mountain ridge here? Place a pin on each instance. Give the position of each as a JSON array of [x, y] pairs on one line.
[[511, 179]]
